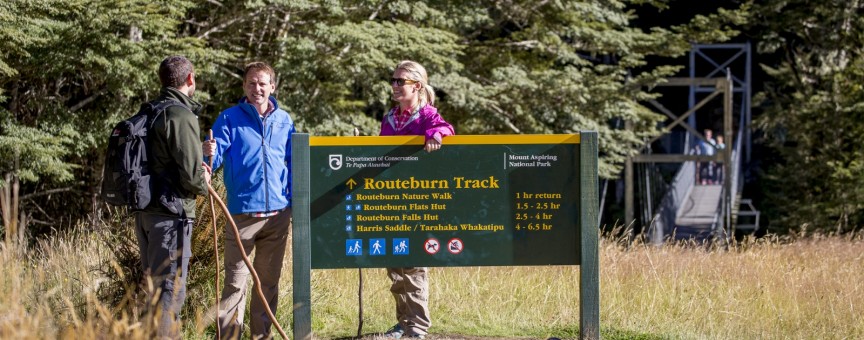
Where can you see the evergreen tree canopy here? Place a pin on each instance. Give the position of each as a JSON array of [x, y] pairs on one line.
[[814, 112], [521, 67]]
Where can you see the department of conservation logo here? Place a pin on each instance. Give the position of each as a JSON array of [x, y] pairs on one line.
[[335, 162]]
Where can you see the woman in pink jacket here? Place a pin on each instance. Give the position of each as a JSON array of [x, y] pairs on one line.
[[415, 115]]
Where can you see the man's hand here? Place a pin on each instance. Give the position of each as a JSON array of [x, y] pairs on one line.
[[208, 173], [432, 145], [209, 147]]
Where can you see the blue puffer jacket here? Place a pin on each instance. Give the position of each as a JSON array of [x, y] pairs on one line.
[[257, 157]]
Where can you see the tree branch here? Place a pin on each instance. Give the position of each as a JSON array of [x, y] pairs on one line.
[[33, 220], [505, 119], [377, 10], [47, 192], [86, 101], [222, 26]]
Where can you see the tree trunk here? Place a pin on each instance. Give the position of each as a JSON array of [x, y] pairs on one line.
[[9, 207], [5, 196]]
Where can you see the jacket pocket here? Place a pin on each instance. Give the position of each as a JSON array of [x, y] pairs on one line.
[[169, 199]]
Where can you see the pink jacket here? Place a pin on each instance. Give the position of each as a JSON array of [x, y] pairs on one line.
[[426, 122]]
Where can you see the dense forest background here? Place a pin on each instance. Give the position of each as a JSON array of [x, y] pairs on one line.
[[70, 69]]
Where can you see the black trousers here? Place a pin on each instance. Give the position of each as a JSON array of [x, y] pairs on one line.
[[165, 245]]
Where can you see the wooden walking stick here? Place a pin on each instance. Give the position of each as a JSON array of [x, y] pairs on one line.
[[215, 246]]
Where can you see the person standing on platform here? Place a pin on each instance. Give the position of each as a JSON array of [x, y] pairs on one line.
[[415, 114], [718, 170], [253, 141], [706, 147]]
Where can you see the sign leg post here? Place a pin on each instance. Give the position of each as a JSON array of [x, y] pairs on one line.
[[589, 269], [302, 257]]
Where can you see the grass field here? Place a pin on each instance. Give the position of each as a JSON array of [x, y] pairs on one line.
[[809, 288]]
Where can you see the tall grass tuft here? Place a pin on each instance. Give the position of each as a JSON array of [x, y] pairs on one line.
[[805, 287], [126, 284]]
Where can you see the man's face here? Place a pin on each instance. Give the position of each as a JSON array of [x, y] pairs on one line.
[[258, 87]]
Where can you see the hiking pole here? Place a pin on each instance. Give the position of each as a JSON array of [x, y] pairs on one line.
[[215, 248], [255, 278]]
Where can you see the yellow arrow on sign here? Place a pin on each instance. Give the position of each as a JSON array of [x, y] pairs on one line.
[[351, 183]]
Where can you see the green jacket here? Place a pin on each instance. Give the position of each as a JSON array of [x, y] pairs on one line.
[[175, 153]]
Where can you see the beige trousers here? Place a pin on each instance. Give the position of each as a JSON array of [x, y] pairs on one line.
[[268, 237], [410, 288]]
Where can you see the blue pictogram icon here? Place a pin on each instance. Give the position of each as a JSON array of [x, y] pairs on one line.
[[348, 217], [347, 197], [353, 247], [400, 246], [347, 227], [357, 207], [348, 207], [377, 246]]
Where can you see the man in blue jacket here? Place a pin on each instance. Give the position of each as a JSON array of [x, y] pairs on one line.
[[252, 140]]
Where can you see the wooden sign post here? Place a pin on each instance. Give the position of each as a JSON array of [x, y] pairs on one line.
[[503, 200]]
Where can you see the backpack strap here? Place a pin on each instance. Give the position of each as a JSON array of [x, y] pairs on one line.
[[159, 107]]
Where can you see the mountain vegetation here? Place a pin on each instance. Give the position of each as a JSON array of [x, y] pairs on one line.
[[70, 69]]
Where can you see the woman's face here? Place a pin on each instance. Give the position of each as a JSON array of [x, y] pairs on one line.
[[408, 92]]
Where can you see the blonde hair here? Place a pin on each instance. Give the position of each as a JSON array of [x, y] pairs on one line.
[[418, 73]]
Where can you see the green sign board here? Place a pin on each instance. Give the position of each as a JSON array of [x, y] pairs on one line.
[[491, 200], [481, 200]]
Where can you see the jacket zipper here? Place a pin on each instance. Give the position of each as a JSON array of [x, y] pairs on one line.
[[264, 154]]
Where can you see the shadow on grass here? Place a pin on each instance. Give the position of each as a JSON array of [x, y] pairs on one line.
[[559, 334]]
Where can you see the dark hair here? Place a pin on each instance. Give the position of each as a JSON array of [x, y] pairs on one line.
[[174, 70], [259, 66]]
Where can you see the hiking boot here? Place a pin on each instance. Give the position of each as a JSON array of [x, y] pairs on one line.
[[394, 332]]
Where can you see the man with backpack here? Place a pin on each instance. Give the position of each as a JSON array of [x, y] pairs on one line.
[[164, 226]]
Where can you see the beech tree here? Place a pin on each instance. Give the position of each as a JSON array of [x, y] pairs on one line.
[[69, 69], [813, 113]]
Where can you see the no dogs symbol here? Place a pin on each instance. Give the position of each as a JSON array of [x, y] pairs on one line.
[[431, 246]]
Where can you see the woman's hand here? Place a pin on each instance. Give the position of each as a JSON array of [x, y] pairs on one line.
[[432, 145]]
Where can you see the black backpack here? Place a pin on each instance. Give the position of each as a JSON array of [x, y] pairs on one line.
[[126, 176]]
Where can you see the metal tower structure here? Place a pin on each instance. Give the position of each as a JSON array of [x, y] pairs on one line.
[[722, 70]]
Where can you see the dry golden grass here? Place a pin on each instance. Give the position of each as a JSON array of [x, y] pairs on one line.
[[805, 289]]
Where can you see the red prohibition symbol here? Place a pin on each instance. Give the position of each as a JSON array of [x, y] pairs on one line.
[[431, 246], [455, 246]]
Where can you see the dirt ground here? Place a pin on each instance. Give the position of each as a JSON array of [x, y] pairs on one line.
[[378, 336]]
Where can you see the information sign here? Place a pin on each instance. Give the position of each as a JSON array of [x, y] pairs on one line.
[[481, 200], [490, 200]]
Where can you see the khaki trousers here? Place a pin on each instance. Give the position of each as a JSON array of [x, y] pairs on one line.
[[268, 237], [410, 288]]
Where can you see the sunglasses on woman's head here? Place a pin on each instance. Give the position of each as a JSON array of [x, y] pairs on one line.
[[402, 81]]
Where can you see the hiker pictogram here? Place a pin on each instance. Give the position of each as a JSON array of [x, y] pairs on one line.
[[353, 247], [376, 246], [400, 246]]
